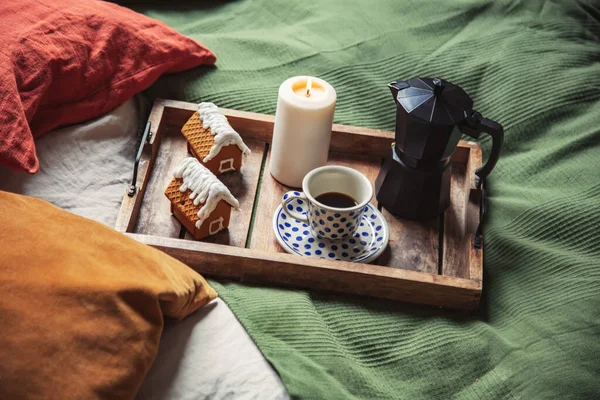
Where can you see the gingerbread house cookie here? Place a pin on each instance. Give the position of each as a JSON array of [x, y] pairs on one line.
[[213, 141], [199, 200]]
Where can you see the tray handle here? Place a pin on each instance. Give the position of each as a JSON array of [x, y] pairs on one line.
[[146, 137], [478, 239]]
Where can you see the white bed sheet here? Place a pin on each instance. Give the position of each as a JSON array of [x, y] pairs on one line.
[[85, 169]]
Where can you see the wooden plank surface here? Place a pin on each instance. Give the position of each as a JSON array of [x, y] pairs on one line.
[[243, 186], [413, 244], [270, 195], [453, 259], [316, 274], [155, 216], [130, 207]]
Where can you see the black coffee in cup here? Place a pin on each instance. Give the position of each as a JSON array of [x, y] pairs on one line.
[[336, 199]]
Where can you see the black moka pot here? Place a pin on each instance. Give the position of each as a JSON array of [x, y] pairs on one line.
[[431, 115]]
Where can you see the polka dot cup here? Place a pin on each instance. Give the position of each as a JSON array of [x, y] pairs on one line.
[[326, 222]]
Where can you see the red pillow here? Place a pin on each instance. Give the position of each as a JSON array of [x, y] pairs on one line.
[[66, 61]]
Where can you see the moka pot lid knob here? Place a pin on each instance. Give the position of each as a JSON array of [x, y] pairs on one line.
[[432, 100]]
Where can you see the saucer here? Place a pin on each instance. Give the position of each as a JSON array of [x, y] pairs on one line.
[[368, 242]]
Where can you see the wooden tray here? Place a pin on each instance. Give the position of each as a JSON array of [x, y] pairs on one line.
[[432, 262]]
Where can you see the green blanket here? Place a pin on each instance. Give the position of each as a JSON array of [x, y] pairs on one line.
[[532, 65]]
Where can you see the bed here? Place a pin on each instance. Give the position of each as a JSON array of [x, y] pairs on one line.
[[531, 65]]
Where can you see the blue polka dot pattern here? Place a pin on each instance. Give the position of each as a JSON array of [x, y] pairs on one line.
[[364, 245], [294, 204], [326, 224]]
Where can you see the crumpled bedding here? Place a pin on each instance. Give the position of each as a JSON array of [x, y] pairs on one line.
[[85, 169]]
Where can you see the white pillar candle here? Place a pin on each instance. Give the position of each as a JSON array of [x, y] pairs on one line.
[[302, 129]]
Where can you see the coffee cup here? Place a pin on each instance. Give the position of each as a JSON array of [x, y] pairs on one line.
[[332, 202]]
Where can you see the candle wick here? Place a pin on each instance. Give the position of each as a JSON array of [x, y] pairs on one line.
[[307, 92]]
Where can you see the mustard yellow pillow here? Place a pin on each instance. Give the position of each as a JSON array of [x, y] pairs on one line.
[[81, 306]]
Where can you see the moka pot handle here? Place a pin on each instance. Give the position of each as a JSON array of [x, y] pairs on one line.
[[474, 125]]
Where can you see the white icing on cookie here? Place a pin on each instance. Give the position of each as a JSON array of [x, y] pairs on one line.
[[205, 186], [225, 135]]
